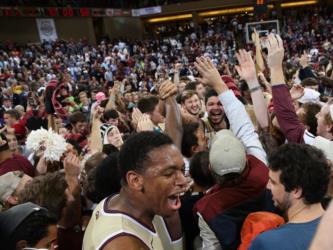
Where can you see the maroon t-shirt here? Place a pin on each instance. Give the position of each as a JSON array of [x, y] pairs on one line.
[[17, 163]]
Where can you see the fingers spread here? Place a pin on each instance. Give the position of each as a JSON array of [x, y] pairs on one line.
[[279, 39], [238, 69]]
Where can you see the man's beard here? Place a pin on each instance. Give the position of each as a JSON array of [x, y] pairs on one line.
[[285, 204]]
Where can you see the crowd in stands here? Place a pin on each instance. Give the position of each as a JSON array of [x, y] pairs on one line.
[[187, 141]]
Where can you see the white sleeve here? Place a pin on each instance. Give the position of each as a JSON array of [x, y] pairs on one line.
[[209, 240], [241, 125]]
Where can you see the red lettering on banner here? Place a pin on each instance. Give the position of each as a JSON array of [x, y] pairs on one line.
[[68, 12], [84, 12], [52, 12]]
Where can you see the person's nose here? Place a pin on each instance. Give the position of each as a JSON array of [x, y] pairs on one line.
[[181, 180]]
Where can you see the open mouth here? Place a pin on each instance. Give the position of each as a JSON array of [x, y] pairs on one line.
[[195, 109], [174, 201], [215, 117]]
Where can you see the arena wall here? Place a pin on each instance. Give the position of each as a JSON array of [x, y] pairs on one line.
[[24, 30], [129, 27]]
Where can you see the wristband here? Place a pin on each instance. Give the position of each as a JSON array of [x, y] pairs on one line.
[[255, 89]]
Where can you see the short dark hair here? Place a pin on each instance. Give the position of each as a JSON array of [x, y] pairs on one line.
[[209, 93], [33, 228], [191, 86], [184, 79], [189, 138], [302, 166], [134, 152], [199, 169], [76, 117], [187, 94], [309, 117], [147, 104], [75, 144], [107, 178], [110, 114], [13, 113], [46, 191], [309, 81], [109, 148], [94, 161]]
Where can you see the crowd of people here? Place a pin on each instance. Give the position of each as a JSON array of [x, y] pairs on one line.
[[181, 142]]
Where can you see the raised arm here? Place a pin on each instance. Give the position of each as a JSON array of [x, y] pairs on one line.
[[111, 104], [286, 115], [247, 71], [259, 59], [176, 74], [173, 122], [240, 122], [72, 212], [95, 140]]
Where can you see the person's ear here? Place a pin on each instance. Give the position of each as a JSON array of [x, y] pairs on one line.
[[196, 149], [12, 200], [297, 193], [134, 180], [307, 127], [21, 244]]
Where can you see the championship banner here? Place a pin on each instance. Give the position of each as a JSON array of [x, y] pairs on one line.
[[109, 12], [46, 29], [147, 11]]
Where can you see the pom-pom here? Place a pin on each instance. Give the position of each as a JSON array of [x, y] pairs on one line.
[[53, 144]]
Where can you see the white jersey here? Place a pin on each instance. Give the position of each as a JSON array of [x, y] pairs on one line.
[[106, 225]]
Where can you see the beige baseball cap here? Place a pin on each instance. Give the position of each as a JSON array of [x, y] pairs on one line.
[[227, 153], [9, 183]]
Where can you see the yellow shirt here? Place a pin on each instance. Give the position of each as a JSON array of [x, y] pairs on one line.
[[18, 89]]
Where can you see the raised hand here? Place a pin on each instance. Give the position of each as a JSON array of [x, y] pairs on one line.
[[145, 124], [255, 37], [209, 74], [275, 52], [275, 58], [178, 66], [246, 68], [116, 87], [136, 115], [98, 112], [296, 92], [167, 89], [72, 166]]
